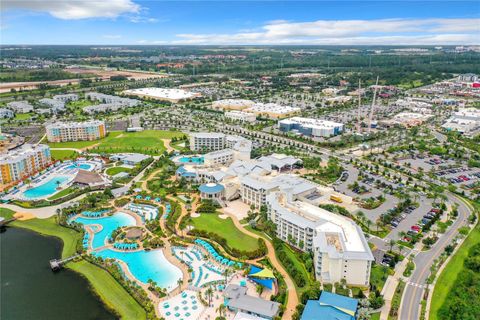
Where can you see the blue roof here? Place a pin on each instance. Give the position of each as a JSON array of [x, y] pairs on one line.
[[330, 306], [211, 188]]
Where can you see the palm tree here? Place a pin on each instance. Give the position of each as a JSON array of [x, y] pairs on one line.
[[209, 294], [392, 243], [221, 309]]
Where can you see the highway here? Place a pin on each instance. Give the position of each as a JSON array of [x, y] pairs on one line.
[[410, 307]]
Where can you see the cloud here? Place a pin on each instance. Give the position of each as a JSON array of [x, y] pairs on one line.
[[76, 9], [349, 32], [112, 36]]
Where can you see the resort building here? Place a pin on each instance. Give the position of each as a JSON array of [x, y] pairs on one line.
[[212, 191], [129, 159], [108, 103], [338, 244], [311, 127], [163, 94], [465, 121], [207, 141], [330, 306], [76, 131], [240, 116], [66, 97], [6, 113], [22, 162], [20, 106], [54, 105], [237, 299]]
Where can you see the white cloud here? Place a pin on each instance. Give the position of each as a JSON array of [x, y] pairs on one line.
[[76, 9], [112, 36], [350, 32]]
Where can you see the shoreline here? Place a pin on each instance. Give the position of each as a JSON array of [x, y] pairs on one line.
[[116, 299]]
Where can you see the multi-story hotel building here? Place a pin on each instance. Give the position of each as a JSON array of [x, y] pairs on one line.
[[207, 141], [76, 131], [338, 244], [22, 162]]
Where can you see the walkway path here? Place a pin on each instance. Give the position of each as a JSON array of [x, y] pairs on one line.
[[291, 292]]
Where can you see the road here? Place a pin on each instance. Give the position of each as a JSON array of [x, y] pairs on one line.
[[412, 296]]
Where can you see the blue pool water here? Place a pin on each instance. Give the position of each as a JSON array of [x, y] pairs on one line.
[[46, 189], [196, 160], [83, 166], [108, 224], [145, 265]]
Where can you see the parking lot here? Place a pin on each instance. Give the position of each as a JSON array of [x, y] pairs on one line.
[[426, 164], [412, 218], [461, 175]]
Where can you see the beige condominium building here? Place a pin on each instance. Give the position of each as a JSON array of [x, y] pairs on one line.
[[76, 131]]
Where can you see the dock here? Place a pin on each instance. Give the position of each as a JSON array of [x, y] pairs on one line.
[[57, 264]]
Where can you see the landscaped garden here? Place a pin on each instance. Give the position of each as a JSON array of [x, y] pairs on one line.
[[148, 142], [211, 222]]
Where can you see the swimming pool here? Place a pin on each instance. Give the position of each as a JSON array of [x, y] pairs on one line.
[[145, 265], [45, 189], [83, 166], [108, 224], [192, 159]]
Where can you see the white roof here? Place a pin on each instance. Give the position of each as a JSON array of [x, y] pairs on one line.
[[174, 94]]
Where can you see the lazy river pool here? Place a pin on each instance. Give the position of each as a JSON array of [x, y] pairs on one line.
[[143, 265]]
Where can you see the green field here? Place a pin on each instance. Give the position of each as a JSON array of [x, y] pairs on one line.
[[225, 228], [63, 154], [148, 142], [62, 193], [103, 284], [298, 266], [109, 290], [446, 280], [115, 170], [23, 116]]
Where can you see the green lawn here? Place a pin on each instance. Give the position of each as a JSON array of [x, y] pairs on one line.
[[109, 290], [379, 275], [115, 170], [446, 280], [6, 213], [63, 154], [225, 228], [23, 116], [62, 193], [148, 142], [375, 316]]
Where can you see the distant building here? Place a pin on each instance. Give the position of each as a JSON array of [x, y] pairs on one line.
[[20, 106], [54, 105], [268, 110], [311, 127], [240, 116], [76, 131], [66, 97], [22, 162], [465, 121], [330, 306], [6, 113], [163, 94], [468, 77], [108, 103]]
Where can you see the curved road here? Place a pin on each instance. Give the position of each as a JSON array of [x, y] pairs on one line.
[[410, 307]]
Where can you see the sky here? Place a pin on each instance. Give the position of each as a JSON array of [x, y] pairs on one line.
[[135, 22]]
